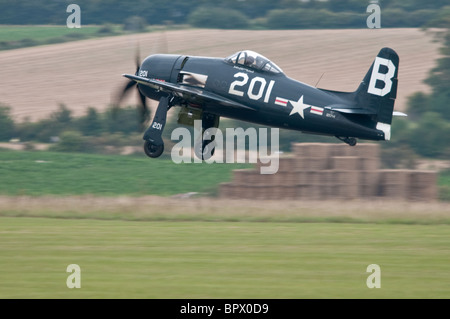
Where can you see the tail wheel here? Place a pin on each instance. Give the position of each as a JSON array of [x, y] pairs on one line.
[[349, 140], [152, 150]]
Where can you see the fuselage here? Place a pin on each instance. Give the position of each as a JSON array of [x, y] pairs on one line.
[[273, 98]]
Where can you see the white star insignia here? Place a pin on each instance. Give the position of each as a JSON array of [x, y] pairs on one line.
[[299, 107]]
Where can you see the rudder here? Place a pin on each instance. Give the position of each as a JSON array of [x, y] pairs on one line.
[[378, 91]]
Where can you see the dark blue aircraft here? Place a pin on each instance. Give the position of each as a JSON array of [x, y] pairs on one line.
[[247, 86]]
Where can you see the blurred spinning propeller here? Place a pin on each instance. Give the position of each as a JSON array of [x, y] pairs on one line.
[[143, 108]]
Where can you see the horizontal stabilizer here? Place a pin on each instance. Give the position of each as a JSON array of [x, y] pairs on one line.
[[396, 113], [350, 110]]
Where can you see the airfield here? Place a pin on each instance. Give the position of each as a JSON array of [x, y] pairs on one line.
[[171, 248], [152, 243]]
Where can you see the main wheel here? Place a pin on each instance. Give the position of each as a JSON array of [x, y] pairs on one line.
[[204, 150], [152, 150]]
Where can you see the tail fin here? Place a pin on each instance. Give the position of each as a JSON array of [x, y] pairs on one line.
[[378, 90]]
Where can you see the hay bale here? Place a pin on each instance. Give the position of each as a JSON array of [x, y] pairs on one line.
[[423, 186], [340, 149], [395, 176], [317, 163], [285, 193], [395, 183], [302, 164], [343, 184], [225, 190], [345, 162], [307, 150], [368, 183], [300, 192], [326, 182], [311, 192], [307, 178], [271, 192], [345, 177], [291, 192], [289, 178], [242, 176], [368, 150], [287, 164], [369, 163], [347, 191]]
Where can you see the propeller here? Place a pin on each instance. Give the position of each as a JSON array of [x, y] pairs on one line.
[[144, 112], [143, 108]]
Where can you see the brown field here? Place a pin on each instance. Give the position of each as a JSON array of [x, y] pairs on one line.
[[88, 73]]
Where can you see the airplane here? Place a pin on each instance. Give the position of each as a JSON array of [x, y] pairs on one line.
[[249, 87]]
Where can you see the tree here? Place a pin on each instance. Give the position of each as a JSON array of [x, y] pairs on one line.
[[71, 141], [206, 17], [439, 78], [90, 124], [63, 115], [6, 124], [418, 104], [430, 137], [124, 120]]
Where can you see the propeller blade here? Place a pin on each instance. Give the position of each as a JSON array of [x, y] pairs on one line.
[[144, 111], [124, 92], [138, 58]]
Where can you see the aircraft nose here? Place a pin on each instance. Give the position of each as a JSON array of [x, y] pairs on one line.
[[158, 66]]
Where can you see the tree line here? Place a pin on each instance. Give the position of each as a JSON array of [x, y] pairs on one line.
[[427, 129], [232, 14]]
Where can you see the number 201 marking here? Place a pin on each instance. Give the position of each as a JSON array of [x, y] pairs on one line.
[[157, 126], [251, 94]]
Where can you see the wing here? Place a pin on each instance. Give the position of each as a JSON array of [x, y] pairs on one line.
[[192, 94]]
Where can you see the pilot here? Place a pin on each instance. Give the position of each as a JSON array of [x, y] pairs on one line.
[[249, 60]]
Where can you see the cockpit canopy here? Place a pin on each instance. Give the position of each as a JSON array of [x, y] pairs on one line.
[[253, 60]]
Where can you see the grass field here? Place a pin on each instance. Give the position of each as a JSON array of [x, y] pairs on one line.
[[46, 173], [22, 36], [53, 173], [43, 33], [131, 243], [444, 184], [120, 259]]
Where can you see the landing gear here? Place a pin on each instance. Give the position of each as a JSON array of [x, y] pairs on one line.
[[154, 144], [204, 148], [349, 140]]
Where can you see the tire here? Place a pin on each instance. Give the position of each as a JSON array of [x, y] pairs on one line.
[[352, 141], [152, 150]]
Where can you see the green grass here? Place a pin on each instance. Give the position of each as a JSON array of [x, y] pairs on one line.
[[52, 173], [45, 32], [13, 37], [120, 259], [444, 186]]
